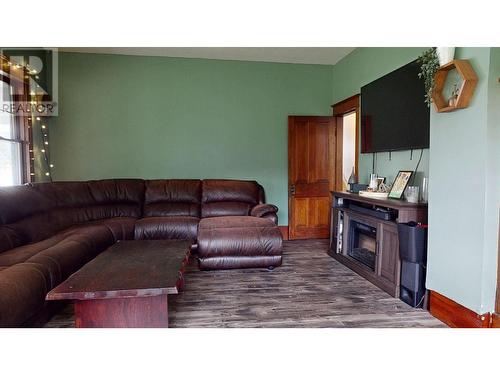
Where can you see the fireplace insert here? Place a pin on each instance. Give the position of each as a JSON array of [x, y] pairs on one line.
[[362, 245]]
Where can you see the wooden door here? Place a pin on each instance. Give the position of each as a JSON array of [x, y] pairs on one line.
[[312, 174]]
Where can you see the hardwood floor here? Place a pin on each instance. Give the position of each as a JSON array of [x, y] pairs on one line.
[[310, 289]]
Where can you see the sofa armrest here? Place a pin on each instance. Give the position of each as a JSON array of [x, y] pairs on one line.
[[267, 211]]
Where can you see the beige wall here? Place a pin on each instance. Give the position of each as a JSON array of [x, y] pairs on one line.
[[349, 147]]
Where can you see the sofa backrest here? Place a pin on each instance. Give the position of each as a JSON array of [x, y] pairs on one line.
[[230, 197], [172, 198], [33, 212], [17, 205]]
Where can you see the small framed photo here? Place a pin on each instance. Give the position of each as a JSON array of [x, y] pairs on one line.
[[400, 183]]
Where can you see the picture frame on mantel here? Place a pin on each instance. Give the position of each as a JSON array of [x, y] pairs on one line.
[[400, 183]]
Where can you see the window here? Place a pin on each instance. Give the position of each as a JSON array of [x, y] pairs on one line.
[[11, 145]]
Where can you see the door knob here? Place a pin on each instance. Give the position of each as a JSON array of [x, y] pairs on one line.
[[292, 189]]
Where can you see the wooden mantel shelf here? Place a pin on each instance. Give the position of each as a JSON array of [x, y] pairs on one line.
[[469, 82], [391, 203]]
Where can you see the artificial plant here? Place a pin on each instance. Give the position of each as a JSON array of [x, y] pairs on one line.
[[429, 65]]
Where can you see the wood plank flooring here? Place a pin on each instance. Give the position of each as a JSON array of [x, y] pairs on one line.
[[310, 289]]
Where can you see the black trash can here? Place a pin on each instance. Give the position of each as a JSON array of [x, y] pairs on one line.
[[413, 255]]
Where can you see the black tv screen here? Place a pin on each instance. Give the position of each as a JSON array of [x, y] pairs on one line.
[[394, 115]]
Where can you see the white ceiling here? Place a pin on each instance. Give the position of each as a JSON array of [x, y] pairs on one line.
[[298, 55]]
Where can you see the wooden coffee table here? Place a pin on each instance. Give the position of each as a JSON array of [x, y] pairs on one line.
[[127, 285]]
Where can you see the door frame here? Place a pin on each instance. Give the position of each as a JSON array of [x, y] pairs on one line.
[[340, 109]]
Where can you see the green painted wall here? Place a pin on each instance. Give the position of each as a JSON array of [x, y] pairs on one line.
[[464, 195], [156, 117], [493, 179], [363, 66]]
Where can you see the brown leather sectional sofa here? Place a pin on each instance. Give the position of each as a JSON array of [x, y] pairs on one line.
[[50, 230]]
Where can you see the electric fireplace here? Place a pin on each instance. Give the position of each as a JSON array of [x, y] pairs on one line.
[[362, 246]]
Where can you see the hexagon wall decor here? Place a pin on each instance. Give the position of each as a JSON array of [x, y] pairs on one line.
[[469, 82]]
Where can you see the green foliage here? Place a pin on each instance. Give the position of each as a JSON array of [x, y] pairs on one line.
[[429, 65]]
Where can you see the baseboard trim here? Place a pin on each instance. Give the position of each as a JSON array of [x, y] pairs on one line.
[[284, 231], [455, 315]]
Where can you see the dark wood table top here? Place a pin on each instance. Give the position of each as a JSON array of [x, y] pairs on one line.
[[128, 269]]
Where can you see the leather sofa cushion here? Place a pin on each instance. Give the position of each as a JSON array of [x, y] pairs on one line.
[[225, 209], [10, 238], [20, 254], [65, 193], [262, 210], [41, 226], [268, 211], [234, 222], [81, 202], [95, 236], [65, 258], [231, 191], [70, 254], [238, 236], [17, 204], [92, 193], [240, 242], [172, 209], [129, 191], [23, 288], [122, 228], [172, 198], [78, 202], [163, 228], [229, 197], [34, 212]]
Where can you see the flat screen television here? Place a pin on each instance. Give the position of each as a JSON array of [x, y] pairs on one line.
[[394, 115]]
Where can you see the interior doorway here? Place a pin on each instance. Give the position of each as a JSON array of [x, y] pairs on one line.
[[348, 147], [346, 114]]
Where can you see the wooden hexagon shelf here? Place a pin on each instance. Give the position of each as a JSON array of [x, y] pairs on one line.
[[469, 82]]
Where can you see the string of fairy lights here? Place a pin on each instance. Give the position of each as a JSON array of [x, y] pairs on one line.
[[44, 150], [37, 123]]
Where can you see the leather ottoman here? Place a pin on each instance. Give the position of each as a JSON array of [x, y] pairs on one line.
[[238, 242]]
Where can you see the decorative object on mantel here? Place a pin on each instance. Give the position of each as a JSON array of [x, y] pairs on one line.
[[445, 54], [400, 183], [374, 194], [353, 179], [452, 101], [465, 92], [373, 186], [425, 189], [412, 194], [380, 192], [429, 65]]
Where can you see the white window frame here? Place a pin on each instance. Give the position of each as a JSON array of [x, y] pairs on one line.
[[16, 138]]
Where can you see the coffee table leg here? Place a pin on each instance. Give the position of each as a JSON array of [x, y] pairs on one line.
[[139, 312]]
